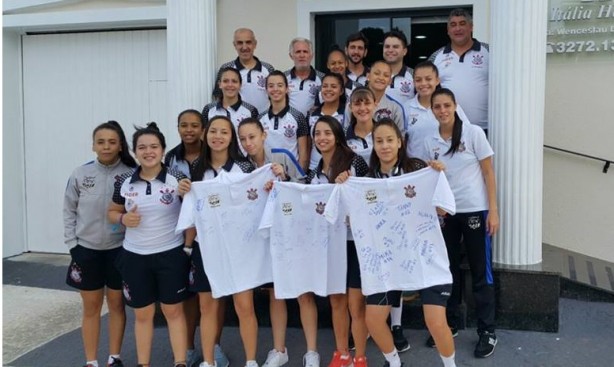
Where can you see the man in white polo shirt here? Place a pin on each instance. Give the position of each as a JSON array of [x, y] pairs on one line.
[[402, 84], [356, 48], [253, 71], [463, 67], [304, 81]]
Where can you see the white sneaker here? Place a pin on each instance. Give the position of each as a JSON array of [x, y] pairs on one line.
[[205, 364], [311, 359], [251, 364], [276, 359]]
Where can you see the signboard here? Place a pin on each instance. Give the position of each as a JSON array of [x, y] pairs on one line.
[[581, 30]]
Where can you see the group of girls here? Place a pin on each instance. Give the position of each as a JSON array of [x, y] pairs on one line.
[[154, 264]]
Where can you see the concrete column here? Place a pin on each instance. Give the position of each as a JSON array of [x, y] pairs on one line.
[[191, 53], [517, 89]]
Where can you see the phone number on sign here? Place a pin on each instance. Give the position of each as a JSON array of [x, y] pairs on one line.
[[579, 46]]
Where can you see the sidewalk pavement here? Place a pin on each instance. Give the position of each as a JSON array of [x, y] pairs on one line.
[[41, 328]]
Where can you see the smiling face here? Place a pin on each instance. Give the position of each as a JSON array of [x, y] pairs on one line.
[[394, 50], [443, 107], [301, 55], [331, 89], [107, 146], [276, 88], [425, 80], [337, 63], [324, 137], [252, 138], [149, 151], [219, 135], [459, 30], [245, 44], [386, 144], [379, 76], [362, 107], [190, 128], [356, 51], [230, 84]]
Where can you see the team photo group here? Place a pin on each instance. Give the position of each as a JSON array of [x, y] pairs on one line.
[[357, 184]]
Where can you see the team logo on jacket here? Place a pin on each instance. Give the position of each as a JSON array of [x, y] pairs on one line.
[[261, 81], [252, 194], [313, 89], [289, 131], [75, 273], [410, 191], [167, 195], [286, 208], [89, 181], [214, 200], [320, 207], [371, 196], [405, 86], [461, 147], [126, 291], [383, 113], [478, 59], [474, 222]]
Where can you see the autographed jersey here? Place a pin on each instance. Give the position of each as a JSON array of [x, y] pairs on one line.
[[396, 228], [226, 212], [308, 253]]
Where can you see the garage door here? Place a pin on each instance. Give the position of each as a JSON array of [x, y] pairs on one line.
[[72, 83]]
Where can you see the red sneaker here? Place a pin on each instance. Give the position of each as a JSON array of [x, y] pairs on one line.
[[340, 360], [360, 362]]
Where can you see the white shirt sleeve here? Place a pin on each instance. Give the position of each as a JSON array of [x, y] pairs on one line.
[[481, 146], [266, 222], [186, 215], [443, 196], [333, 210]]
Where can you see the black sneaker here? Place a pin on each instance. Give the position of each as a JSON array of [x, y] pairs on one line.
[[400, 341], [116, 363], [486, 345], [387, 364], [430, 342]]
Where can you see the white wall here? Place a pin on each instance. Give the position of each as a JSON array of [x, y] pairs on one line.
[[13, 181], [578, 197]]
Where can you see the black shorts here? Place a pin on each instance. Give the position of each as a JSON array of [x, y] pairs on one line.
[[390, 298], [90, 270], [156, 277], [436, 295], [353, 275], [198, 280]]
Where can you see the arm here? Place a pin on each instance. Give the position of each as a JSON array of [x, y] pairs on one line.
[[71, 201], [492, 221], [304, 152]]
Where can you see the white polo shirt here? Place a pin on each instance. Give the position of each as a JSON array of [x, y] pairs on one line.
[[313, 117], [467, 76], [236, 112], [284, 129], [361, 146], [308, 253], [396, 229], [358, 79], [421, 124], [253, 86], [303, 92], [401, 86], [158, 203], [463, 168]]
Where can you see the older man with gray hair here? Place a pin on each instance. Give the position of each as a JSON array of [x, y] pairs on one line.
[[304, 81]]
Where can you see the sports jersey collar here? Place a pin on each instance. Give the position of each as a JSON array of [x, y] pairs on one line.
[[351, 134], [401, 74], [476, 46], [235, 106], [349, 84], [312, 73], [104, 166], [240, 66], [414, 102], [136, 176], [364, 72], [281, 113], [318, 111], [395, 171]]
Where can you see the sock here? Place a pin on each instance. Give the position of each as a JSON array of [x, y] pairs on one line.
[[395, 316], [111, 357], [393, 358], [251, 363], [448, 361], [93, 363]]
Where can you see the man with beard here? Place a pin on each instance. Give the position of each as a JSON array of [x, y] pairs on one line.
[[356, 48]]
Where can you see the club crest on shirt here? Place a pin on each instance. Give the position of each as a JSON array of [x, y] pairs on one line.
[[89, 182], [405, 86], [371, 196], [289, 131], [126, 291], [214, 200], [260, 81], [383, 113], [320, 207], [252, 194], [461, 147], [286, 208], [75, 273], [167, 195], [478, 59], [474, 222], [313, 89], [410, 191], [413, 120]]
